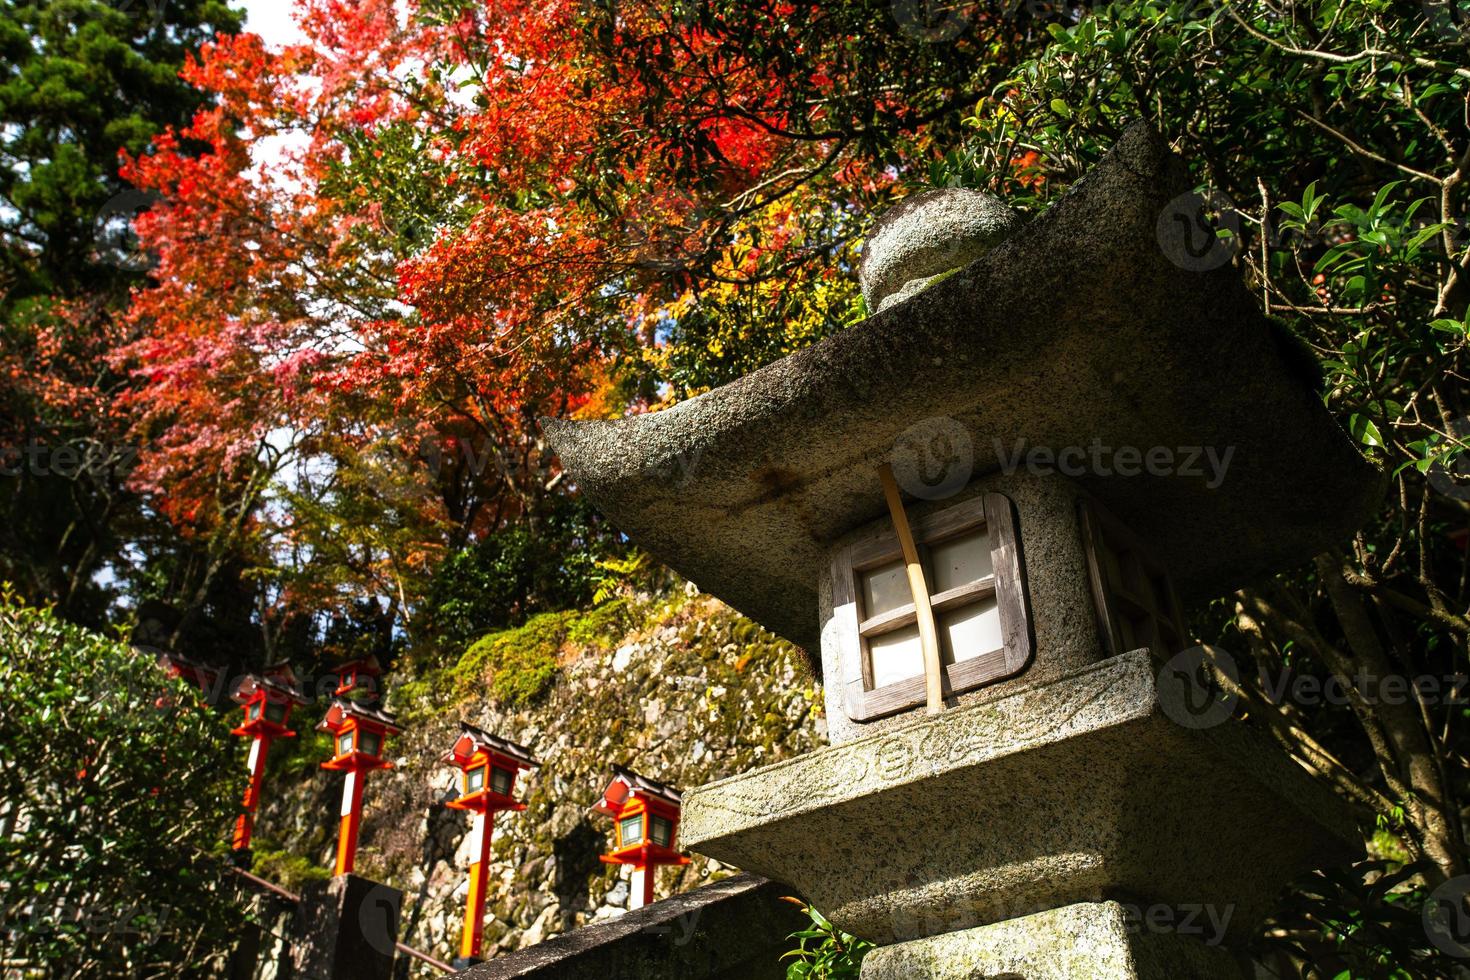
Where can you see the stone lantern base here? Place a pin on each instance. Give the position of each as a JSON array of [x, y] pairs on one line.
[[1081, 790], [1089, 939]]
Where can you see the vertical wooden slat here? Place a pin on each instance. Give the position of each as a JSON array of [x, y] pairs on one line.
[[919, 589]]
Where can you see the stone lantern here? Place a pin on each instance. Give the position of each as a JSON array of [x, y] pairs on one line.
[[358, 731], [980, 511], [645, 815], [488, 766], [266, 700]]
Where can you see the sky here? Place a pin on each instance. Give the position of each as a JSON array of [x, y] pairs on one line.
[[271, 19]]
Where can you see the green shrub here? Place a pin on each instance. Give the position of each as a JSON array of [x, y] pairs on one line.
[[115, 786], [823, 951]]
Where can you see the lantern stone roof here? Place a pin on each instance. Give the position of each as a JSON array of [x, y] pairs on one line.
[[625, 782], [277, 680], [344, 708], [1088, 326], [472, 739]]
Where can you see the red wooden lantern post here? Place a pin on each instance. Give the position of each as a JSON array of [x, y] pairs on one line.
[[645, 817], [267, 699], [358, 732], [489, 767]]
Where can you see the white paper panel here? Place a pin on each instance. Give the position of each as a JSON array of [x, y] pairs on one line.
[[896, 656]]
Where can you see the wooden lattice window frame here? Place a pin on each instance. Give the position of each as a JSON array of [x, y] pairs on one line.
[[1132, 591], [991, 512]]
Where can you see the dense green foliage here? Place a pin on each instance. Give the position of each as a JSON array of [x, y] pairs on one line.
[[114, 786], [1329, 144], [519, 571]]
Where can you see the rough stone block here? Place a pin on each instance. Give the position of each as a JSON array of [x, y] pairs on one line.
[[1077, 790], [345, 929], [734, 929], [1096, 940]]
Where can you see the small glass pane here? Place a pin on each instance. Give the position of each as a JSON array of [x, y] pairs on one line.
[[660, 830], [630, 830], [970, 631], [344, 743], [370, 743], [896, 656], [959, 561], [474, 780], [275, 712], [500, 781], [884, 589]]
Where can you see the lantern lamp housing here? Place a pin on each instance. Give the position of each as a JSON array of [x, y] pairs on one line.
[[645, 816], [359, 731], [360, 674], [267, 699], [489, 766]]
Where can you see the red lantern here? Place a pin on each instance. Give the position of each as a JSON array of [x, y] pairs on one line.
[[360, 674], [199, 674], [267, 699], [645, 817], [358, 733], [488, 769]]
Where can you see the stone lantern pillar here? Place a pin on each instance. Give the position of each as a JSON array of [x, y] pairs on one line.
[[985, 507]]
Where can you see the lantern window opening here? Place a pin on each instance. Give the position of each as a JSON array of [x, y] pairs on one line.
[[275, 711], [661, 830], [501, 780], [1133, 594], [630, 830], [252, 711], [474, 779], [344, 741], [370, 743], [976, 589]]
